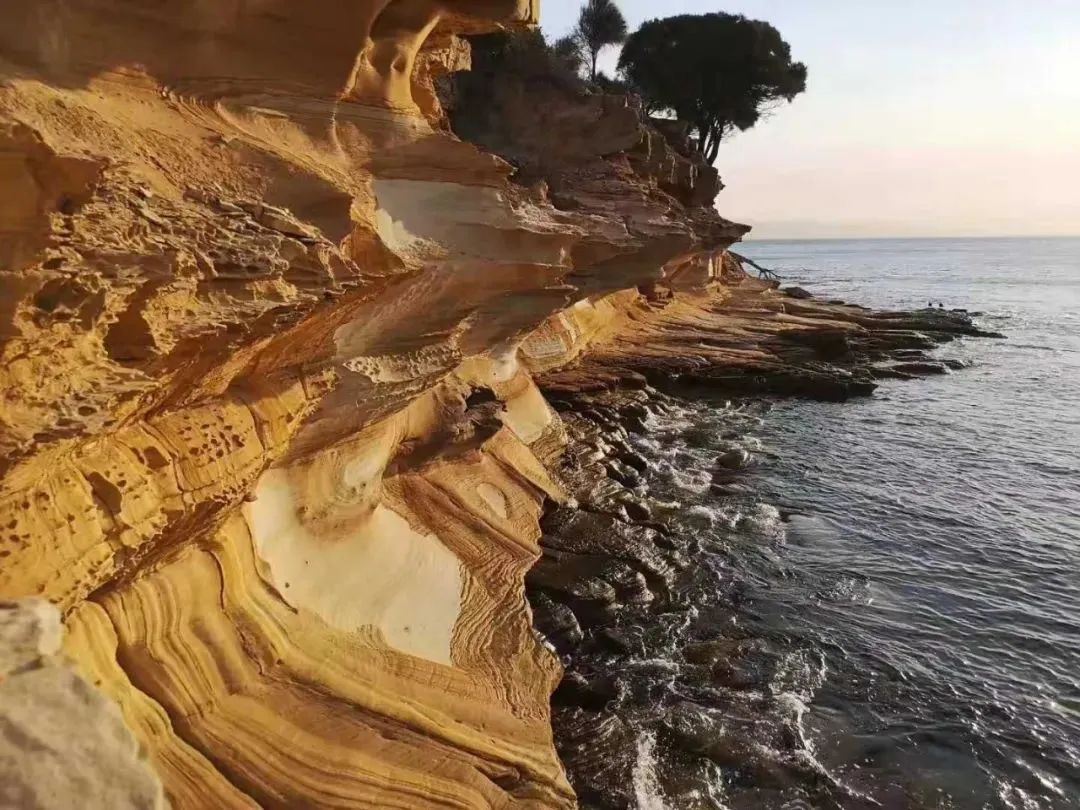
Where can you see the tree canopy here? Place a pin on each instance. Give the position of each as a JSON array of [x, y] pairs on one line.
[[717, 72], [568, 49], [600, 24]]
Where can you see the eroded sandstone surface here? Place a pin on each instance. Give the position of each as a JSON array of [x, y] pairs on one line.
[[275, 290], [266, 437]]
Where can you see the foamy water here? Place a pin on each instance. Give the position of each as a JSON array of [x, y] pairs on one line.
[[923, 545], [881, 607]]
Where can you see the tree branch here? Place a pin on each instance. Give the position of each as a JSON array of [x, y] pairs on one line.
[[764, 272]]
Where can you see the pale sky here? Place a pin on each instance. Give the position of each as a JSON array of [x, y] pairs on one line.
[[920, 118]]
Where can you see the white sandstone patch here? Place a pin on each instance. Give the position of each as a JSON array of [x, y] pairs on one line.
[[379, 572], [429, 219], [527, 414], [504, 363], [494, 498], [414, 212]]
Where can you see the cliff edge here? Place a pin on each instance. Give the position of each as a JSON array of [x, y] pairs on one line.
[[269, 438]]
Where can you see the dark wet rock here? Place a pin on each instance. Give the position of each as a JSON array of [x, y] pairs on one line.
[[734, 459], [831, 385], [797, 292], [909, 354], [736, 664], [890, 373], [628, 584], [693, 729], [728, 674], [830, 388], [602, 536], [900, 339], [557, 623], [638, 409], [623, 640], [709, 652], [660, 528], [636, 509], [589, 592], [600, 496], [697, 437], [623, 473], [597, 416], [752, 749], [831, 344], [631, 458], [631, 585], [920, 369], [728, 489], [671, 542], [597, 745], [574, 579], [941, 321], [577, 690], [595, 585]]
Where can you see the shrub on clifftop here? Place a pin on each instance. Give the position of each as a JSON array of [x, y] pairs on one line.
[[717, 72]]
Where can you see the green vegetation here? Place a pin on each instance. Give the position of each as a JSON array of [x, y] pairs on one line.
[[717, 72], [568, 49]]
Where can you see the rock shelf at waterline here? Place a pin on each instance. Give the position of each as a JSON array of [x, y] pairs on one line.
[[668, 701]]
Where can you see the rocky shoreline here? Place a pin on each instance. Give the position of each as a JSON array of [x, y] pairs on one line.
[[652, 672], [276, 290]]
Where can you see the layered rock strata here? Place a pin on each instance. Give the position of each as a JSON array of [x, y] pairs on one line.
[[270, 437], [668, 698], [743, 335], [266, 438]]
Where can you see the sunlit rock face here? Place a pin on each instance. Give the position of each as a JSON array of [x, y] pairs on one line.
[[268, 437]]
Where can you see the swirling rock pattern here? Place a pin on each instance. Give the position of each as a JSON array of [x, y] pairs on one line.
[[268, 436]]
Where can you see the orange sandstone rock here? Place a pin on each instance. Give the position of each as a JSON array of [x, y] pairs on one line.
[[268, 434]]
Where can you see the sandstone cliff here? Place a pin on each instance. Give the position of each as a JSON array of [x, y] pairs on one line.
[[267, 438], [277, 285]]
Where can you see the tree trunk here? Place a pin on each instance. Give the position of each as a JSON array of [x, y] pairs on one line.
[[713, 150], [702, 136], [712, 141], [594, 53]]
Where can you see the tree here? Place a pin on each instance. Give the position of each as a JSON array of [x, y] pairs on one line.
[[613, 86], [600, 24], [717, 72], [568, 49]]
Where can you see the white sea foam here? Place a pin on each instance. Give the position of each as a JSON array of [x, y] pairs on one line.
[[647, 793], [763, 519]]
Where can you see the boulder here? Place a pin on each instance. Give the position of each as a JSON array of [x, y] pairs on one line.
[[735, 459], [63, 744]]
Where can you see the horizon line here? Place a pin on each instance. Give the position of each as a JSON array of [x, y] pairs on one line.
[[749, 238]]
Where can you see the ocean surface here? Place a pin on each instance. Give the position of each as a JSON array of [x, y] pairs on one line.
[[904, 569]]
